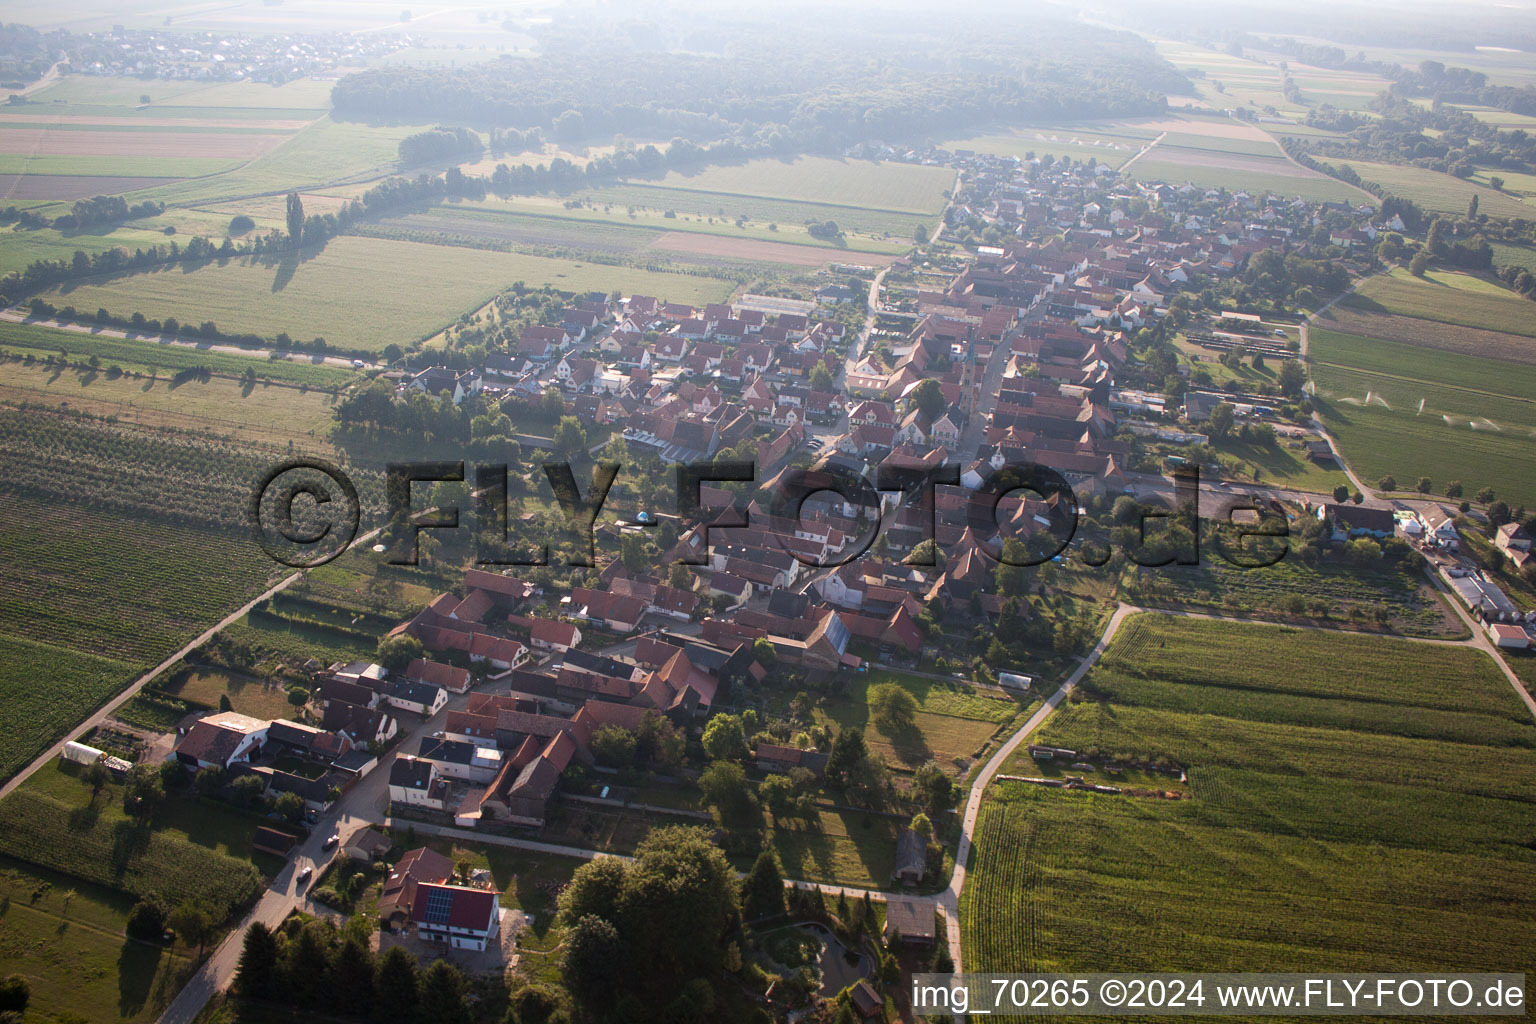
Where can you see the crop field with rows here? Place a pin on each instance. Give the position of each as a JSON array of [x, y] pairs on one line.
[[1389, 833], [47, 687], [122, 543]]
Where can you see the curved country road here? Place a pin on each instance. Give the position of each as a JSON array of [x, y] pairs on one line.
[[949, 899]]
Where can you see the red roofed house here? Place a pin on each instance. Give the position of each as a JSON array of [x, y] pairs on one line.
[[499, 651], [462, 917], [455, 680], [548, 634], [418, 867]]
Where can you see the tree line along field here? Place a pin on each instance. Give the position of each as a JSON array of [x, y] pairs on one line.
[[147, 356], [1342, 596], [1359, 804], [1475, 425], [361, 293], [1448, 297]]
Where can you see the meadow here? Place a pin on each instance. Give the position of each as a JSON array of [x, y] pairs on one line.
[[67, 938], [952, 724], [1387, 839], [1475, 424], [1283, 179], [220, 406], [362, 293], [1111, 144], [1438, 192], [1448, 297], [862, 184]]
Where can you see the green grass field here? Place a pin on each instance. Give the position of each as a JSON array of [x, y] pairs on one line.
[[762, 209], [1439, 192], [953, 721], [601, 227], [303, 94], [1111, 144], [1156, 167], [66, 937], [130, 166], [1476, 422], [1282, 464], [1390, 838], [247, 695], [1508, 255], [363, 293], [1451, 298], [861, 184]]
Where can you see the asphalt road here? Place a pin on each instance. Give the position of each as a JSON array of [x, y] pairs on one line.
[[363, 804]]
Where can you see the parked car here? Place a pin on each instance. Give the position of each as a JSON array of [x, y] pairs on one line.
[[306, 874], [332, 840]]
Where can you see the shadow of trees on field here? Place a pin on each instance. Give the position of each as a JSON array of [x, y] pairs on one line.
[[137, 965]]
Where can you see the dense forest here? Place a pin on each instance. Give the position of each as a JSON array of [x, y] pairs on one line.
[[819, 87]]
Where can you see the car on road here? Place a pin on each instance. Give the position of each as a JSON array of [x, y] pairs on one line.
[[332, 840], [358, 364], [306, 874]]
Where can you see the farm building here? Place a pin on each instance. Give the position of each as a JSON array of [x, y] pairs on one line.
[[913, 919], [1014, 681], [270, 840], [1484, 597], [79, 753], [1509, 636], [911, 857]]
